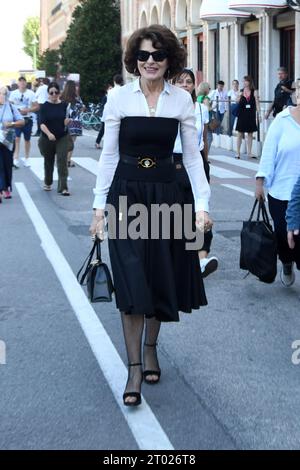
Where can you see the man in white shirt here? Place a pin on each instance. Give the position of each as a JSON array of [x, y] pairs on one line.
[[41, 96], [24, 99], [219, 99]]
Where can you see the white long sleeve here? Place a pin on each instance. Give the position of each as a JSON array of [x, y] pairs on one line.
[[173, 103], [110, 155], [192, 158]]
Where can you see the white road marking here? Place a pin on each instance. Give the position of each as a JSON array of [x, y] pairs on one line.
[[235, 162], [88, 164], [142, 422], [222, 173], [240, 190], [37, 167]]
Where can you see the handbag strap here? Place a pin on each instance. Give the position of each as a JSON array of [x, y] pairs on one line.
[[253, 210], [261, 210], [87, 262]]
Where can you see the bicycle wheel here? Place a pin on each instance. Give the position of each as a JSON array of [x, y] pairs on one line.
[[86, 120]]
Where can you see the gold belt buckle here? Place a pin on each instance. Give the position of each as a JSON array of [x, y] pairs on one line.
[[146, 162]]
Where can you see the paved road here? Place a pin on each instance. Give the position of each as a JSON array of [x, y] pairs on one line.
[[228, 380]]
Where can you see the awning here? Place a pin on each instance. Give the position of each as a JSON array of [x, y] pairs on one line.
[[218, 10], [257, 6]]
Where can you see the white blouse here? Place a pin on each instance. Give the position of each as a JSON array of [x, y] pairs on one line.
[[129, 101], [280, 160]]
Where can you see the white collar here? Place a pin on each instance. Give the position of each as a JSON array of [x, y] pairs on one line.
[[137, 87]]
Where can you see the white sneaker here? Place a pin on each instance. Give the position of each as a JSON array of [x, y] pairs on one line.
[[209, 265], [287, 275], [16, 163], [26, 162]]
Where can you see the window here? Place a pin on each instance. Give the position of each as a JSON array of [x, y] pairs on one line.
[[253, 57], [287, 50]]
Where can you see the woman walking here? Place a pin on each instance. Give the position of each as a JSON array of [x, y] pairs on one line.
[[54, 140], [186, 81], [75, 106], [249, 106], [279, 171], [10, 119], [153, 280]]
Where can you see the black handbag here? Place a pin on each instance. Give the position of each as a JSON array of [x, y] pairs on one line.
[[259, 246], [97, 275]]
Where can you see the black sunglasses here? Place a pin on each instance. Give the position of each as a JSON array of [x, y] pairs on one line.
[[54, 93], [157, 56]]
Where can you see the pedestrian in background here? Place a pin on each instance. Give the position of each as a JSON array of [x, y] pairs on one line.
[[103, 102], [249, 106], [54, 139], [219, 98], [234, 95], [203, 98], [10, 119], [282, 93], [153, 279], [24, 99], [118, 82], [279, 171], [186, 81], [74, 108]]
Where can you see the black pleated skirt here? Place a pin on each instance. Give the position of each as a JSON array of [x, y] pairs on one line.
[[153, 277]]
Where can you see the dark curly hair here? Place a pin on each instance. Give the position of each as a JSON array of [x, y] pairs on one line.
[[162, 38]]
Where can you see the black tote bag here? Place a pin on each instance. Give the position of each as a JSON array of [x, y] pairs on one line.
[[259, 246], [97, 276]]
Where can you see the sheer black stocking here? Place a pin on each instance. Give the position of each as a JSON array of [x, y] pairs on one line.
[[133, 326], [151, 365]]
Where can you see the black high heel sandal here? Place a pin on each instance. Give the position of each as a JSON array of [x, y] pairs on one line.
[[146, 373], [136, 395]]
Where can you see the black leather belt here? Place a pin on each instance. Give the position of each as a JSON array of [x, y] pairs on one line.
[[146, 162]]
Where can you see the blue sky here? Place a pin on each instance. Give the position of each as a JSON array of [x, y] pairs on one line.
[[13, 17]]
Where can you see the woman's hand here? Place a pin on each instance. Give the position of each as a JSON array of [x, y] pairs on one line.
[[51, 137], [98, 224], [259, 192], [67, 121], [290, 238], [203, 221]]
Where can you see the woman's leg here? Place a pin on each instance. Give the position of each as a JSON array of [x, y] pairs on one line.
[[47, 149], [70, 153], [133, 327], [2, 170], [278, 210], [239, 143], [150, 352], [8, 167], [250, 142], [62, 163]]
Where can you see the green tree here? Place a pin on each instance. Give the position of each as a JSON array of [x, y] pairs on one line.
[[49, 61], [92, 46], [31, 38]]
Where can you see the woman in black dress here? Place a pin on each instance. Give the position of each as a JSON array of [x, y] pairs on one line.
[[247, 115], [152, 281]]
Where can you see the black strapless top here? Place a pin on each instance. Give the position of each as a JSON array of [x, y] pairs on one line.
[[151, 136]]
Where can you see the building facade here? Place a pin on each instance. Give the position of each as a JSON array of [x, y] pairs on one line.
[[56, 16], [227, 39]]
